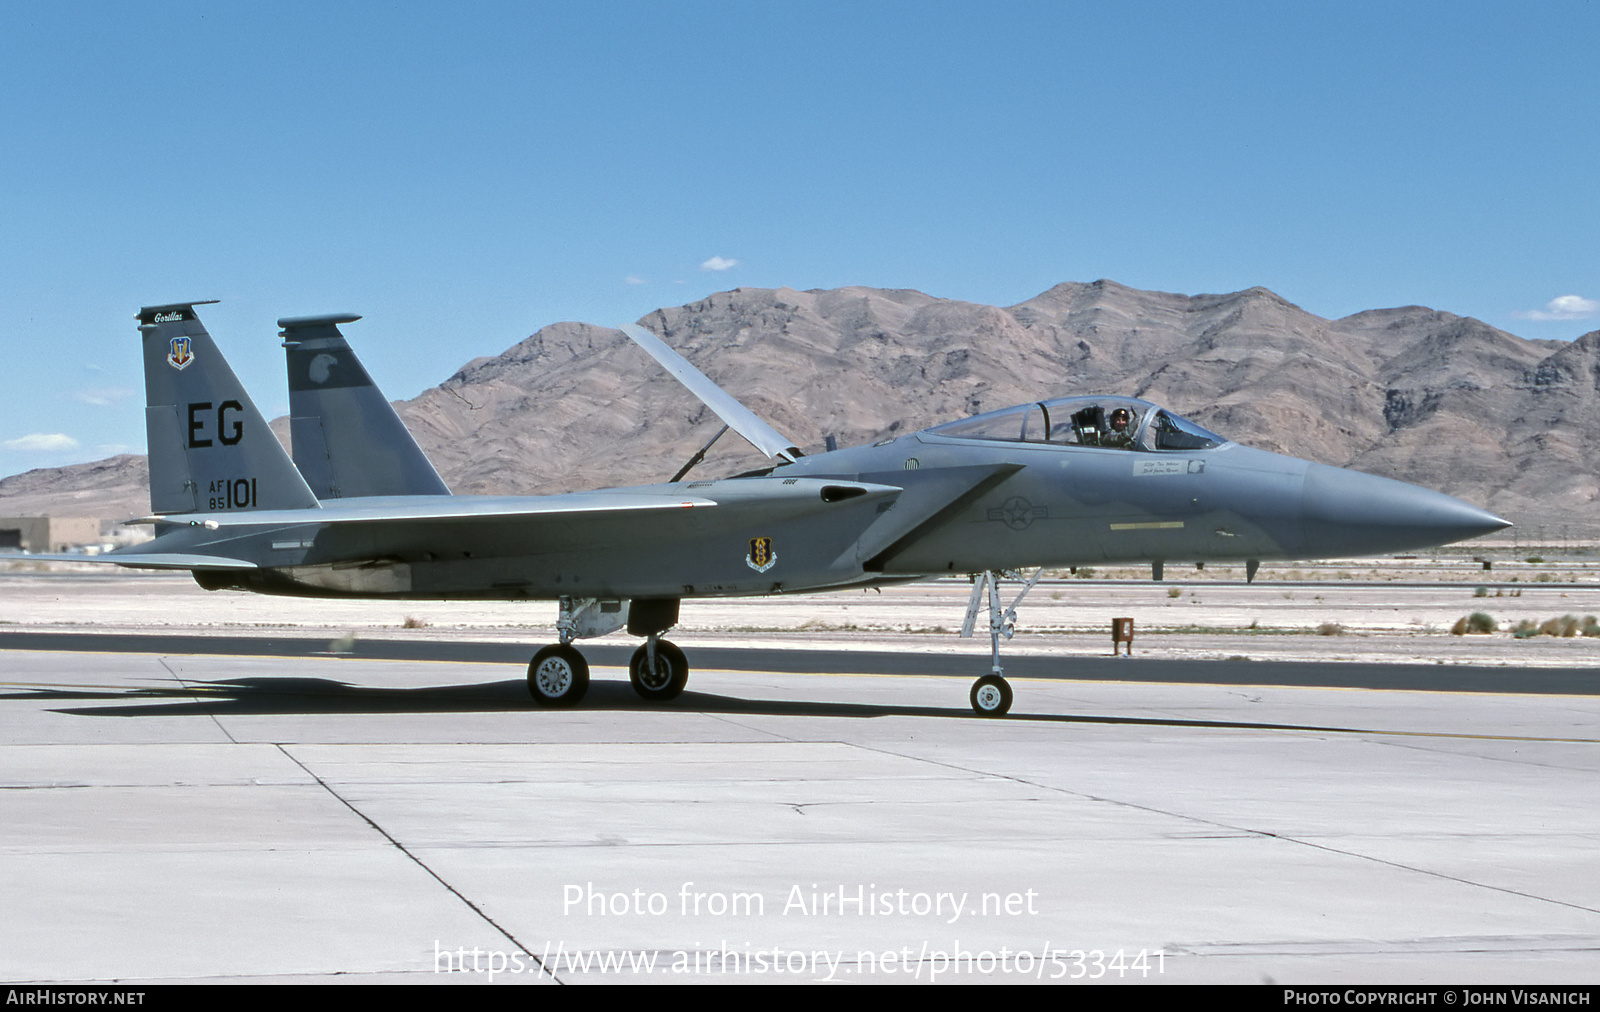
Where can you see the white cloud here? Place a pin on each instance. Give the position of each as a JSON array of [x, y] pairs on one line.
[[718, 264], [634, 279], [102, 397], [1563, 307], [41, 442]]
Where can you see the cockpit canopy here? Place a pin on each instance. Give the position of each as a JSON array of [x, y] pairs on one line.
[[1121, 423]]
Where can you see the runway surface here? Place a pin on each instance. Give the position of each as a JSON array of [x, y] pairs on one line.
[[821, 660], [252, 808]]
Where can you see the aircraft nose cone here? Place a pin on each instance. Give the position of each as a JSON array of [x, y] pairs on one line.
[[1350, 513]]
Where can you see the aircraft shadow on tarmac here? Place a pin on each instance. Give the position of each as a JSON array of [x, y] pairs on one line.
[[308, 696]]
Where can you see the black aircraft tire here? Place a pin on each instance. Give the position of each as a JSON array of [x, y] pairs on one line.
[[669, 678], [558, 676], [991, 696]]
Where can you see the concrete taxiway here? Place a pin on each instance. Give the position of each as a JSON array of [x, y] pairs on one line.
[[253, 808], [174, 817]]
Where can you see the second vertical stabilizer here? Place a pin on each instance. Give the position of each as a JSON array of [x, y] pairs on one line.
[[348, 441]]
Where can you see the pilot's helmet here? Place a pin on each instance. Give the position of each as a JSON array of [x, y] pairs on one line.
[[1120, 419]]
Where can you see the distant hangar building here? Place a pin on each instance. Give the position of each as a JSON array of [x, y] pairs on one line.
[[47, 534]]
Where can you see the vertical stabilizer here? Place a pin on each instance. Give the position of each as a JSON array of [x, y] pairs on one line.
[[210, 449], [348, 441]]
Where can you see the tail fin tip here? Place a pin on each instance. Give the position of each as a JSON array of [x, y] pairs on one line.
[[172, 312], [292, 323]]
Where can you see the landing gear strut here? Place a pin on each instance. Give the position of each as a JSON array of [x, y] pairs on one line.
[[658, 671], [559, 676], [991, 694]]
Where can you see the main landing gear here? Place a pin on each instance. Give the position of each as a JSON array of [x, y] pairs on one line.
[[658, 671], [558, 676], [991, 694]]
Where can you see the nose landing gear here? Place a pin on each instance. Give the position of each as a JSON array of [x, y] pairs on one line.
[[991, 694]]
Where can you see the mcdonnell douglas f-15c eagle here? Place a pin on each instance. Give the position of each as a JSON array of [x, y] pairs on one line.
[[360, 512]]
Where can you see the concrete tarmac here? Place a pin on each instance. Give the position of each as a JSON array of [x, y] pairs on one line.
[[209, 811]]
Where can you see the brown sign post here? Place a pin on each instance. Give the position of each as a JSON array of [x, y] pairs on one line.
[[1121, 632]]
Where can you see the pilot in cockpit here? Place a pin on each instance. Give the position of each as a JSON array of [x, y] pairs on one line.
[[1119, 429]]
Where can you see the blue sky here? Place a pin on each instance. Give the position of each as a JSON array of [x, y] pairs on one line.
[[463, 175]]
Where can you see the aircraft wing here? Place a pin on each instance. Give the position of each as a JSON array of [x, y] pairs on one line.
[[455, 507], [739, 418], [240, 540]]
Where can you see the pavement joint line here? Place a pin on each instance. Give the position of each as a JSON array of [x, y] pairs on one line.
[[1257, 833], [418, 861], [1440, 875], [781, 738], [198, 698], [1517, 760]]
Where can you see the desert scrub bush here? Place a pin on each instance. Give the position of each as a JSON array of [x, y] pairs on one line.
[[1174, 591], [1480, 591], [1477, 622], [1330, 629], [1566, 625]]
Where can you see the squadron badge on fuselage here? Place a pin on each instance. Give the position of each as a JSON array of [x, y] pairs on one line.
[[181, 354], [761, 557]]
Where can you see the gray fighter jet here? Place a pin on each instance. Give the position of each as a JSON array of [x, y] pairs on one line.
[[360, 512]]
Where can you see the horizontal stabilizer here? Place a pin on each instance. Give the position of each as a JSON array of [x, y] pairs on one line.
[[739, 418], [150, 560]]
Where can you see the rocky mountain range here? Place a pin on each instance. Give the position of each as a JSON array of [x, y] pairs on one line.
[[1412, 393]]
